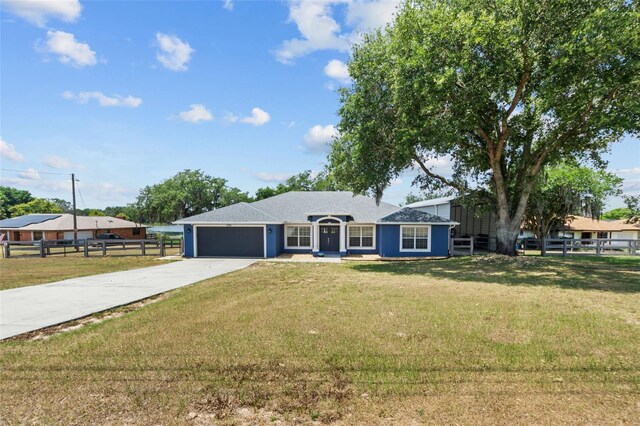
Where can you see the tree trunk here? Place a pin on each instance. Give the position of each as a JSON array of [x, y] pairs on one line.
[[506, 234]]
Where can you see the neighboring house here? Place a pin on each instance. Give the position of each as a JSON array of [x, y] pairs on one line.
[[473, 221], [315, 222], [586, 228], [60, 227]]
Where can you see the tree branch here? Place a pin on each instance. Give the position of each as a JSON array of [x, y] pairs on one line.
[[442, 179]]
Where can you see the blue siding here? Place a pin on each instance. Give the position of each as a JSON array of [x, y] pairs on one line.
[[366, 251], [275, 239], [389, 242], [316, 218], [188, 240]]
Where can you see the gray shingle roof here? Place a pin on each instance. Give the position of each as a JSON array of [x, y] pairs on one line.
[[296, 207], [235, 213], [409, 215], [28, 219]]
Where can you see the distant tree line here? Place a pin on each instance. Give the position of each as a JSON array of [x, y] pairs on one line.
[[564, 190], [187, 193]]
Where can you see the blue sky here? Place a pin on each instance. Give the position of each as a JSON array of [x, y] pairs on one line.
[[127, 93]]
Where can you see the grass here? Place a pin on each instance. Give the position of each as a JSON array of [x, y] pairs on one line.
[[462, 341], [24, 271]]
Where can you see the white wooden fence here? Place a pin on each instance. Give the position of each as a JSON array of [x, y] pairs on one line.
[[593, 246]]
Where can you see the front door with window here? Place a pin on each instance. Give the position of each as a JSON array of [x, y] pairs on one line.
[[329, 238]]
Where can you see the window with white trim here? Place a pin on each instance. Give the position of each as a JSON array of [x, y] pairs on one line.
[[361, 236], [298, 236], [415, 238]]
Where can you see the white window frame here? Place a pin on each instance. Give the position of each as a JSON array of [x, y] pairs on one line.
[[360, 225], [305, 225], [421, 250]]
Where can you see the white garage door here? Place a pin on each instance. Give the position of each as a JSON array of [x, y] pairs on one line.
[[627, 235], [82, 235]]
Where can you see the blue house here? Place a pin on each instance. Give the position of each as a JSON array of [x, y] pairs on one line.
[[331, 222]]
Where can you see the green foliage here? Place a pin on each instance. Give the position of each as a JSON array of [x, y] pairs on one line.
[[10, 197], [304, 181], [633, 204], [617, 214], [64, 205], [188, 193], [95, 212], [568, 190], [501, 88], [36, 205]]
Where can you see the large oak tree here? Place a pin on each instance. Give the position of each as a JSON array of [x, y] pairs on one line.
[[502, 88]]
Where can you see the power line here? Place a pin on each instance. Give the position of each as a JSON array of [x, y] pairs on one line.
[[36, 171], [80, 193]]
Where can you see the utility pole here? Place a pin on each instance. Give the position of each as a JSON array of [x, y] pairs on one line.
[[75, 220]]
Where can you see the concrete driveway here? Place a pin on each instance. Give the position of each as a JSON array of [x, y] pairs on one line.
[[31, 308]]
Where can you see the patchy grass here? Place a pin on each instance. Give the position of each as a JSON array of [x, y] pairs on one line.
[[20, 272], [453, 341]]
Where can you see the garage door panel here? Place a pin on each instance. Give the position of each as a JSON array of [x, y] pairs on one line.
[[230, 241]]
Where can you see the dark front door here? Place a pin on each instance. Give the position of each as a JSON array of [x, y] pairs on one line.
[[330, 238]]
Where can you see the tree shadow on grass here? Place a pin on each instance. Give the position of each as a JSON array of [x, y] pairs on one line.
[[615, 276]]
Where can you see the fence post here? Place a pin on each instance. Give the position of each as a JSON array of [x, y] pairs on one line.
[[564, 248], [471, 244], [7, 250], [543, 247], [104, 247], [598, 247], [634, 247], [142, 247], [161, 248], [42, 253], [182, 245], [86, 247]]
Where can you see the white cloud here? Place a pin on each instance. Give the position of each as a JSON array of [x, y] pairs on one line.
[[231, 118], [38, 12], [317, 27], [272, 177], [30, 173], [370, 15], [258, 117], [197, 113], [319, 138], [175, 54], [631, 171], [104, 100], [319, 30], [337, 70], [228, 4], [9, 152], [57, 162], [69, 50]]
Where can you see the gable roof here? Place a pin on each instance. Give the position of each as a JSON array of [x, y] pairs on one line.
[[27, 219], [296, 207], [433, 202], [64, 222], [410, 215], [581, 223]]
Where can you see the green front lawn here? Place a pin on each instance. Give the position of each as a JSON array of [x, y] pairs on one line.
[[466, 341]]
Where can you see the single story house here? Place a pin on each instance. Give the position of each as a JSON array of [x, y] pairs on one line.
[[586, 228], [332, 222], [59, 226]]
